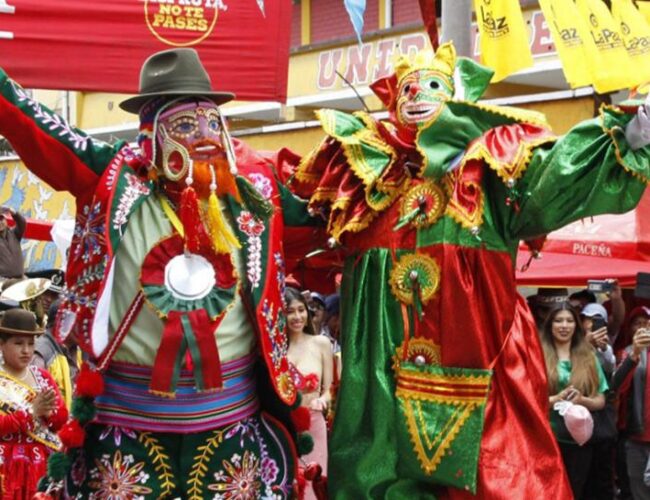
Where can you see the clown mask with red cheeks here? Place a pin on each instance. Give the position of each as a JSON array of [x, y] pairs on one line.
[[190, 133], [421, 96]]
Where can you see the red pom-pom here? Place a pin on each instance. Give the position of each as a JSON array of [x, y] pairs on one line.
[[72, 434], [301, 419], [90, 383], [42, 496]]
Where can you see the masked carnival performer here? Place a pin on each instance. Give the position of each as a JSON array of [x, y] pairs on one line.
[[31, 409], [174, 289], [443, 391]]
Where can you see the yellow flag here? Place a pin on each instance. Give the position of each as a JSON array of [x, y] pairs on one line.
[[644, 8], [605, 51], [505, 46], [568, 32], [636, 36]]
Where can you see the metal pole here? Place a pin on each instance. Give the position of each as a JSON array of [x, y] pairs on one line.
[[456, 21]]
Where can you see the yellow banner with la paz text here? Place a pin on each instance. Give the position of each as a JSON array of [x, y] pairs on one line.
[[605, 50], [636, 37], [569, 35], [503, 37]]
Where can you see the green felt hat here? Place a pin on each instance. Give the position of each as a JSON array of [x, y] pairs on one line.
[[174, 73]]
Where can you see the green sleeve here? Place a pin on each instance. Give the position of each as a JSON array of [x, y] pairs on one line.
[[603, 386], [589, 171], [294, 209]]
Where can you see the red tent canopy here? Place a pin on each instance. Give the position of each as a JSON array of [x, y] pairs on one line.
[[606, 246]]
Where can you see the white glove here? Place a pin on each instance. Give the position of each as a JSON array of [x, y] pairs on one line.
[[637, 132]]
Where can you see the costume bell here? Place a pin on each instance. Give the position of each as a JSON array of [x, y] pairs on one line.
[[443, 391]]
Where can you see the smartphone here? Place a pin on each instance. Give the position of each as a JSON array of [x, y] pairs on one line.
[[600, 286], [642, 289], [597, 323]]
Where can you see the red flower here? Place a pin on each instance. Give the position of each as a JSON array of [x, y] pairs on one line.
[[249, 225], [310, 383]]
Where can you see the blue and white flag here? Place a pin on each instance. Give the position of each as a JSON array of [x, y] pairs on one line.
[[356, 9]]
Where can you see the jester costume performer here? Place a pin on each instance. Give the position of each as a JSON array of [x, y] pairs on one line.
[[443, 392], [174, 288]]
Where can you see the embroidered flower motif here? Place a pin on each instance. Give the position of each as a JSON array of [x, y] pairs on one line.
[[274, 325], [269, 471], [249, 224], [133, 190], [118, 479], [263, 185], [244, 429], [117, 434], [253, 228], [240, 479], [281, 274], [78, 471], [88, 237]]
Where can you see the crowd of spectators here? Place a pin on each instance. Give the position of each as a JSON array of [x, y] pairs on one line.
[[596, 357]]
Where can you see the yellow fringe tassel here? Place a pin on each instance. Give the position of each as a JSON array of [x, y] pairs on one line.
[[223, 239]]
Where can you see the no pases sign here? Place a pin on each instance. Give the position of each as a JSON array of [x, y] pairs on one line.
[[99, 45]]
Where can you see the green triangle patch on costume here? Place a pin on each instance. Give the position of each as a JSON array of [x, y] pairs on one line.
[[443, 411]]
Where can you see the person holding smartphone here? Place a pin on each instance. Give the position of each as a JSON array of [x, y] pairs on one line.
[[31, 408], [574, 375], [631, 379]]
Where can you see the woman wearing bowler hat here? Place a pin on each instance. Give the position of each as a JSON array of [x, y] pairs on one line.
[[31, 408]]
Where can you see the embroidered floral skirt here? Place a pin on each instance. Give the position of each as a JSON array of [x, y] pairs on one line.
[[250, 459]]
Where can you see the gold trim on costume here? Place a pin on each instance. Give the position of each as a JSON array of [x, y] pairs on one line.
[[160, 462], [430, 198], [452, 428], [411, 270], [617, 151]]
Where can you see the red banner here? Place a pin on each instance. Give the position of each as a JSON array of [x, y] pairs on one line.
[[100, 45]]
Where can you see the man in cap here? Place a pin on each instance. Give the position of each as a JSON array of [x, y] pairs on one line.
[[173, 288]]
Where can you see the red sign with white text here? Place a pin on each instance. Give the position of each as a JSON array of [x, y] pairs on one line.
[[100, 45]]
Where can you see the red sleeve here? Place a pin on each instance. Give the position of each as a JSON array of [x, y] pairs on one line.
[[624, 374], [60, 414], [61, 155], [16, 422]]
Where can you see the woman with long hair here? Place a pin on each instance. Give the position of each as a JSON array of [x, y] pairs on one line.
[[574, 374], [310, 358]]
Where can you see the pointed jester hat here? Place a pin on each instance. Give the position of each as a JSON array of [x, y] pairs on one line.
[[468, 79]]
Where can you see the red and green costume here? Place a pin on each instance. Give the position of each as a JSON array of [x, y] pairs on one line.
[[434, 334], [191, 429]]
